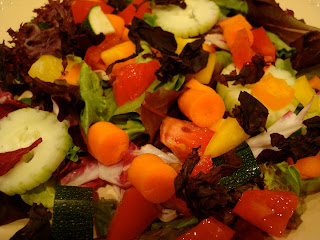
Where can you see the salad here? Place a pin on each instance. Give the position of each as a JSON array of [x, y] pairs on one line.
[[159, 120]]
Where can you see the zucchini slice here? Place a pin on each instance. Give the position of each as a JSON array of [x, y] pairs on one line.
[[72, 213]]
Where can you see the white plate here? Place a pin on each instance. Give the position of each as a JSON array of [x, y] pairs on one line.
[[14, 12]]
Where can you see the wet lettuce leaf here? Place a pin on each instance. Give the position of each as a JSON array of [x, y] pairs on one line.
[[311, 185]]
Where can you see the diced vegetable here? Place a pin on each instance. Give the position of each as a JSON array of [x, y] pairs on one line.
[[315, 82], [136, 8], [117, 23], [304, 93], [273, 92], [309, 167], [106, 142], [263, 44], [47, 68], [268, 210], [182, 136], [23, 127], [209, 228], [132, 80], [98, 22], [119, 51], [80, 9], [241, 50], [197, 18], [152, 177], [232, 25], [72, 213], [204, 108], [204, 75], [72, 74], [132, 216], [224, 139]]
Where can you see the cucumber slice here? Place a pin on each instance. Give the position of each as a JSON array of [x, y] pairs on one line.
[[19, 130], [98, 22], [197, 18]]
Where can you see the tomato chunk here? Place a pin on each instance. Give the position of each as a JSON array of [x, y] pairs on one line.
[[269, 210], [263, 44], [132, 80], [182, 136], [133, 215], [208, 229], [204, 165]]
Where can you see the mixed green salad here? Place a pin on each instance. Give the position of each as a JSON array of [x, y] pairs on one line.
[[160, 119]]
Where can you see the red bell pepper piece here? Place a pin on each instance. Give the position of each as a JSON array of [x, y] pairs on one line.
[[132, 80], [133, 215], [93, 54], [241, 49], [208, 229], [263, 44], [268, 210], [81, 8], [136, 9]]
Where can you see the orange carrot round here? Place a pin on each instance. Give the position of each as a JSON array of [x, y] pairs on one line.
[[106, 142], [201, 107], [152, 177], [309, 167]]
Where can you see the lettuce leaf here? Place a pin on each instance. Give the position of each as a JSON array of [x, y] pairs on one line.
[[282, 176], [309, 186], [283, 50]]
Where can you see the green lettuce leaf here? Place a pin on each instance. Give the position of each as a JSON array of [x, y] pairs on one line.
[[281, 176], [285, 65], [232, 7]]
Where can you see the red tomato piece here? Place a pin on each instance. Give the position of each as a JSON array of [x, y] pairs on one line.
[[132, 80], [268, 210], [178, 204], [133, 215], [262, 43], [93, 54], [208, 229], [81, 8], [182, 136], [136, 9], [204, 165], [241, 49]]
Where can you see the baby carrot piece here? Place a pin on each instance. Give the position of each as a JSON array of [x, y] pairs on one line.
[[309, 167], [204, 108], [315, 82], [152, 177], [106, 142], [117, 23]]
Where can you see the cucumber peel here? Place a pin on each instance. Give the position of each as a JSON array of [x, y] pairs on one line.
[[19, 130]]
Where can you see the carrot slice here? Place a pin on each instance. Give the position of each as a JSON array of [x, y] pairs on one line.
[[106, 142], [152, 177], [315, 82], [72, 75]]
